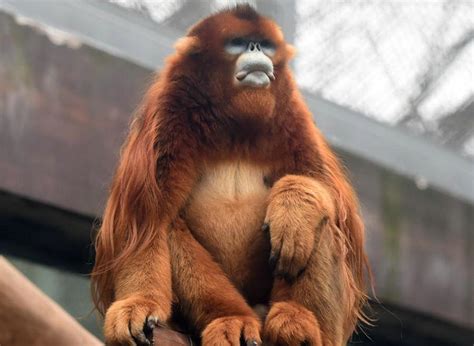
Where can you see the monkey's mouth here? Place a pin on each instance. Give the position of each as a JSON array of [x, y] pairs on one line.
[[255, 78], [254, 69]]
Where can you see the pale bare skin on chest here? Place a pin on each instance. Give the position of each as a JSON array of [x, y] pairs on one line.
[[225, 213]]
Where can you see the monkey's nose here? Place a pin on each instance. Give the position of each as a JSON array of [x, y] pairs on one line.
[[254, 46]]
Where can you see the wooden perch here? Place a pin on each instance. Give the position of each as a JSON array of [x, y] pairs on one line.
[[168, 337], [29, 317]]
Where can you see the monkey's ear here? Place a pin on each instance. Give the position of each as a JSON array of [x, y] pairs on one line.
[[290, 51], [188, 45]]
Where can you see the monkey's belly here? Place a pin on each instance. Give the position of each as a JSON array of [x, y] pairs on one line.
[[225, 214]]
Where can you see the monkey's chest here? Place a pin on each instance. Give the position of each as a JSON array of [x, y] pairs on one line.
[[225, 214]]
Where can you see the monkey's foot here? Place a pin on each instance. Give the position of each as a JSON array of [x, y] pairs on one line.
[[131, 321], [289, 323], [233, 331]]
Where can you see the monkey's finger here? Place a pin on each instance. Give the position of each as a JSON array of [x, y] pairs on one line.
[[151, 323], [138, 337], [251, 333], [275, 255], [273, 260], [142, 332], [293, 272], [299, 261], [286, 257], [245, 342]]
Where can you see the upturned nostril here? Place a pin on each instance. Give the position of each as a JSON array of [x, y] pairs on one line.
[[257, 46]]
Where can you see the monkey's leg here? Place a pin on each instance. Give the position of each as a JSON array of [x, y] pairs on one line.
[[310, 293], [316, 307], [206, 296], [142, 296]]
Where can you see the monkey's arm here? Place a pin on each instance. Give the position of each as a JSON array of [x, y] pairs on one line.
[[205, 294], [314, 280], [298, 206], [317, 242], [132, 273], [311, 190], [142, 295], [142, 282]]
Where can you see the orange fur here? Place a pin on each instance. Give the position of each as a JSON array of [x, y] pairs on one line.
[[205, 165], [199, 299], [297, 206], [289, 323], [228, 331]]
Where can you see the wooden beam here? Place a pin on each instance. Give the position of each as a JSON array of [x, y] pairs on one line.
[[29, 317], [45, 234]]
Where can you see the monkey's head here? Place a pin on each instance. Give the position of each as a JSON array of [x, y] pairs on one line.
[[241, 60]]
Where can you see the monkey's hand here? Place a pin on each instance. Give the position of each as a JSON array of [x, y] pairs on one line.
[[131, 321], [298, 206], [233, 331]]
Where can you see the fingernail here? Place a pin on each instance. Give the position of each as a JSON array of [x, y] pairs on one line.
[[151, 323], [272, 261]]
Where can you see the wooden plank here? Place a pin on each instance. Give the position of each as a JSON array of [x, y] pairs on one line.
[[45, 234], [29, 317]]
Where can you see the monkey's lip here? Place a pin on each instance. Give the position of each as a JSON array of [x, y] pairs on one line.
[[255, 78], [242, 74]]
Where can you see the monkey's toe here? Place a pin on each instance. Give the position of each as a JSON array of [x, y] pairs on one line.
[[131, 322], [289, 323], [232, 331]]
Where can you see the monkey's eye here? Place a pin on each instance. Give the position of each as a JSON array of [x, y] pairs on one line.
[[236, 46], [268, 47]]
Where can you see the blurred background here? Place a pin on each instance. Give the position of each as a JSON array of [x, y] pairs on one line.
[[390, 83]]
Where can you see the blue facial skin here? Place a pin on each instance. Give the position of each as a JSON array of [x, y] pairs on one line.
[[254, 67]]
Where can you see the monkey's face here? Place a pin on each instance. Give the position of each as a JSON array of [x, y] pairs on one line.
[[253, 64], [244, 57]]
